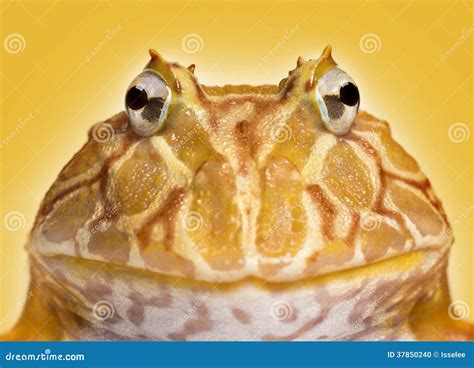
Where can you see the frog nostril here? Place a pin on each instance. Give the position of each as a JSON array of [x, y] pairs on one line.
[[136, 98], [349, 94]]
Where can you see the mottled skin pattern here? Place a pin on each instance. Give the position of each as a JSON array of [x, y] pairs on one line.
[[242, 218]]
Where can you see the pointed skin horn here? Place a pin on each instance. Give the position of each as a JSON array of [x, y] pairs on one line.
[[154, 54], [300, 61]]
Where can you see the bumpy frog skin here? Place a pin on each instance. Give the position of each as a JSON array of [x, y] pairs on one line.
[[240, 213]]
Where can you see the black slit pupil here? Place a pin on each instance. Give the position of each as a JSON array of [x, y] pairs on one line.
[[349, 94], [136, 98]]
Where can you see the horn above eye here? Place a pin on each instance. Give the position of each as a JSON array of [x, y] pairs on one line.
[[147, 102], [338, 100]]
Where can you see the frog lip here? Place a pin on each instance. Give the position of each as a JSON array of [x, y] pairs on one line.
[[399, 263]]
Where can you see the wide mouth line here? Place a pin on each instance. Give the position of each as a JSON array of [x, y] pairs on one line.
[[401, 259]]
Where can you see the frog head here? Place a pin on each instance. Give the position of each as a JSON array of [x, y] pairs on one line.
[[278, 182]]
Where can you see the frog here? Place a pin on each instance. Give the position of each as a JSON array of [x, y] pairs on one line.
[[239, 212]]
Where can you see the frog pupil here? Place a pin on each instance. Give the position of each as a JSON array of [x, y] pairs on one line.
[[349, 94], [136, 98]]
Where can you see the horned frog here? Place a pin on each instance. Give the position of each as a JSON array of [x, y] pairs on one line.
[[240, 213]]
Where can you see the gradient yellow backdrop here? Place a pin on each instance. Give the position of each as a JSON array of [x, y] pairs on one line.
[[66, 65]]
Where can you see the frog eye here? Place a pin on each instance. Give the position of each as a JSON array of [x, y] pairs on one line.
[[338, 100], [147, 102]]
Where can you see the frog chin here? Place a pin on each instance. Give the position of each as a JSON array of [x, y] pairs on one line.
[[365, 303]]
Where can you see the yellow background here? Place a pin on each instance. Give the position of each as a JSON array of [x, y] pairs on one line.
[[79, 57]]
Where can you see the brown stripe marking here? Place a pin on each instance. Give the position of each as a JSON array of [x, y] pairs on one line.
[[378, 206], [177, 86], [105, 170], [136, 311], [423, 186], [104, 177], [288, 86], [201, 95], [160, 254], [167, 214], [48, 207], [211, 108], [327, 210], [242, 142], [241, 316], [327, 302], [308, 326], [353, 229], [102, 174], [108, 215], [201, 323]]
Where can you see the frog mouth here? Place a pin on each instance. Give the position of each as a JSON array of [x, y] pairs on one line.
[[418, 262]]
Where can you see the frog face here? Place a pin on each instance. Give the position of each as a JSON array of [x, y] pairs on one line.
[[221, 183]]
